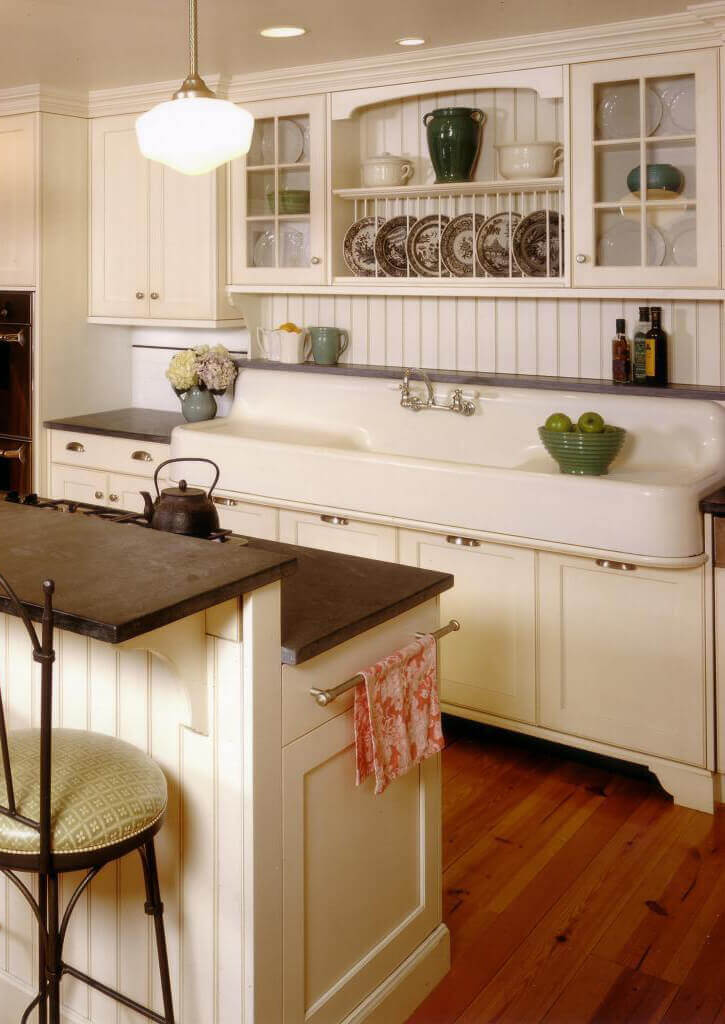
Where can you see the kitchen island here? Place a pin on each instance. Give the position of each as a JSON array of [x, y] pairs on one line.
[[290, 894]]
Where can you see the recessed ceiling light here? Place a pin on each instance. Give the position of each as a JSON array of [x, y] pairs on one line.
[[282, 31], [410, 41]]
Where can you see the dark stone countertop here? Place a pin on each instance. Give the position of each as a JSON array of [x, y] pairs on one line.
[[115, 581], [332, 598], [473, 378], [134, 424], [714, 503]]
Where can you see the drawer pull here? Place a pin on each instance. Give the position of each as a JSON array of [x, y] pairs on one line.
[[335, 520], [74, 446], [99, 495], [606, 563], [13, 453], [14, 338], [141, 456], [463, 542], [224, 502]]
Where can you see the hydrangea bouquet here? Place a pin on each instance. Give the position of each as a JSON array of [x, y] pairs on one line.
[[202, 367]]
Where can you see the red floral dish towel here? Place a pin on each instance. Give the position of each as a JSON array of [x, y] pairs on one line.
[[397, 713]]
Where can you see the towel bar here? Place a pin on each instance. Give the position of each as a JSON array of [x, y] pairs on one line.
[[325, 697]]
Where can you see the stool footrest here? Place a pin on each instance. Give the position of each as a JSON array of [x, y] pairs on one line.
[[112, 994]]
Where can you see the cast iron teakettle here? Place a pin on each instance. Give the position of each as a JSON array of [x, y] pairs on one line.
[[186, 510]]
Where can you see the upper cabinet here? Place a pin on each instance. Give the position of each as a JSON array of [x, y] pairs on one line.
[[157, 237], [661, 113], [278, 198], [18, 184]]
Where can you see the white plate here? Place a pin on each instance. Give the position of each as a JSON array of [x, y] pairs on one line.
[[618, 114], [681, 105], [619, 247], [683, 239], [291, 142]]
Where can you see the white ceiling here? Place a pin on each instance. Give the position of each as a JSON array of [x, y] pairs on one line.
[[95, 44]]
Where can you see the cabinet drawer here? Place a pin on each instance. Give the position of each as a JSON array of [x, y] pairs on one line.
[[332, 532], [246, 518], [79, 484], [116, 454]]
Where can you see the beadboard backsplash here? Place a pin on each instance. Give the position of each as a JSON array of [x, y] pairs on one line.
[[556, 337]]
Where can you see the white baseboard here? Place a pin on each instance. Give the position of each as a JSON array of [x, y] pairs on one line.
[[406, 988]]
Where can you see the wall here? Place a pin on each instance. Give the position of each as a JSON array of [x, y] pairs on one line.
[[569, 337]]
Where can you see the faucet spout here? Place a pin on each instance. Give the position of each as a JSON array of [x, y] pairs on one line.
[[410, 401]]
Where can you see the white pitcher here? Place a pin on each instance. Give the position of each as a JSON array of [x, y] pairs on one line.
[[269, 344], [295, 346]]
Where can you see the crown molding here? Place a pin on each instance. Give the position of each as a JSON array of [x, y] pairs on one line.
[[43, 99], [700, 25], [134, 99]]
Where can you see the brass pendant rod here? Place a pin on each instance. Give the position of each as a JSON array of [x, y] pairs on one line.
[[193, 40]]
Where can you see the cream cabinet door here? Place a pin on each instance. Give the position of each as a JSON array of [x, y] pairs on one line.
[[124, 491], [646, 111], [622, 655], [18, 182], [246, 518], [338, 533], [182, 241], [120, 179], [278, 196], [362, 873], [490, 665], [78, 484]]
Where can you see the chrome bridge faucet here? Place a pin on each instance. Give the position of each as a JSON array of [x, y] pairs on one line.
[[409, 400]]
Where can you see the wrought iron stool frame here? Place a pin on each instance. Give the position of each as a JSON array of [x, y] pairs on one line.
[[48, 866]]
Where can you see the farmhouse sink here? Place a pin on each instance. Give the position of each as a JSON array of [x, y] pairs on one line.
[[346, 443]]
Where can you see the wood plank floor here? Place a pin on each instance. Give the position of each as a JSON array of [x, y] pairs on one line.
[[574, 892]]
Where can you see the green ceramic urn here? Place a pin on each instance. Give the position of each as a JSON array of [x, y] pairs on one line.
[[454, 139]]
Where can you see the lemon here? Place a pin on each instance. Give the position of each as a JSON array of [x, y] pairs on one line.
[[292, 328]]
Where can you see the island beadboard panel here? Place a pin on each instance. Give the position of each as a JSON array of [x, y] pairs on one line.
[[556, 337], [133, 695], [511, 115]]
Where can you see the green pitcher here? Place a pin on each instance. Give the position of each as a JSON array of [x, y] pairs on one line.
[[454, 139]]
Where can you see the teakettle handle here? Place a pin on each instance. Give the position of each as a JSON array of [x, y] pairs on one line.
[[168, 463]]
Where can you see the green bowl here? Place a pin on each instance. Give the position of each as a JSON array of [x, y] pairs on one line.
[[583, 454], [291, 200]]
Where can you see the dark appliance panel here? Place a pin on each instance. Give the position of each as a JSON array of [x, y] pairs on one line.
[[16, 367], [16, 465]]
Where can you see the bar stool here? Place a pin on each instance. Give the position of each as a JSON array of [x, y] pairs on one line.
[[72, 800]]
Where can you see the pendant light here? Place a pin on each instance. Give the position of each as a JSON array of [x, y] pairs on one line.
[[194, 132]]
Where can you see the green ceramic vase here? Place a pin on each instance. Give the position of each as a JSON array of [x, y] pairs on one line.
[[197, 404], [454, 139]]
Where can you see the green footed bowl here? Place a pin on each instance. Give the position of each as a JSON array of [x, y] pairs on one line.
[[583, 454]]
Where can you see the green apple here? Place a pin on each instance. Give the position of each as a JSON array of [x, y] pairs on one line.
[[558, 421], [591, 423]]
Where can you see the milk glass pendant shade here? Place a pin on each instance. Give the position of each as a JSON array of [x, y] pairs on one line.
[[195, 131]]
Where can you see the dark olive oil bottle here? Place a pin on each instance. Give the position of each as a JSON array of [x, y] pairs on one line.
[[656, 351], [639, 359]]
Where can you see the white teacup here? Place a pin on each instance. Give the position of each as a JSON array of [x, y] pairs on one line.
[[295, 346]]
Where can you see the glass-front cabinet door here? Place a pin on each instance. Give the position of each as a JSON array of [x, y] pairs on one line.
[[277, 208], [659, 227]]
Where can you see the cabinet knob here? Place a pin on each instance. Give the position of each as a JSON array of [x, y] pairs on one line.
[[113, 497], [140, 295], [581, 257], [315, 261], [141, 456], [335, 520], [74, 446], [154, 295], [98, 495], [463, 542]]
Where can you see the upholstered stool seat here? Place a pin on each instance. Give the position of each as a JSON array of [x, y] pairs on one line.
[[104, 793]]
